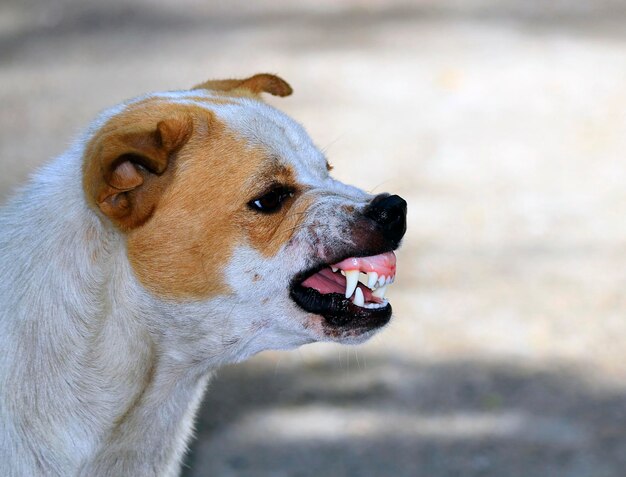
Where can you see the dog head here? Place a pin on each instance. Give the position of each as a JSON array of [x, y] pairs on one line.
[[229, 210]]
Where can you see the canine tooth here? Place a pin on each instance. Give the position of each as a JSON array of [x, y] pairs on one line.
[[381, 280], [380, 292], [334, 269], [352, 279], [359, 299], [372, 278], [363, 278]]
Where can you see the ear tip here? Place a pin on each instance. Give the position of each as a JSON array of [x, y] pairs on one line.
[[272, 84], [285, 90], [282, 91]]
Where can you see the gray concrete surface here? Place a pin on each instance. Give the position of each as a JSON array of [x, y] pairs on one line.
[[503, 124]]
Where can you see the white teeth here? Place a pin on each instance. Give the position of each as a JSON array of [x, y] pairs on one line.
[[372, 278], [352, 279], [380, 292], [376, 305], [377, 283], [359, 299]]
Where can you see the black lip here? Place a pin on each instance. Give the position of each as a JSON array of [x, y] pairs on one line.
[[338, 311]]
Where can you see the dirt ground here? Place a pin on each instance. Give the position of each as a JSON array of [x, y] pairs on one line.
[[503, 125]]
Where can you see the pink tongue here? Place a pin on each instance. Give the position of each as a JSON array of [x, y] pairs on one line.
[[383, 264], [325, 281]]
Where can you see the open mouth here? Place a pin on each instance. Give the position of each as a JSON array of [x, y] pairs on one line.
[[350, 293]]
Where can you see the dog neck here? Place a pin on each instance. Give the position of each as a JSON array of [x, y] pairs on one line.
[[74, 320]]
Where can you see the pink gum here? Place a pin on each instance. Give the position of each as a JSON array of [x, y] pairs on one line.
[[383, 264]]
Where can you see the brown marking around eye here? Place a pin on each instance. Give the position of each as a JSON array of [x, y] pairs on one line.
[[268, 232]]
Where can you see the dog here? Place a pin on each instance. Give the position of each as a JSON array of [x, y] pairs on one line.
[[183, 230]]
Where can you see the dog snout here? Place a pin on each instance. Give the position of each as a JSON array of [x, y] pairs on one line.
[[389, 212]]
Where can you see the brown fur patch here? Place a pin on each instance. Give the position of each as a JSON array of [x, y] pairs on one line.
[[183, 249], [200, 211]]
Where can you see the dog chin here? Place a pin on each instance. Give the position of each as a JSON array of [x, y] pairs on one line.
[[350, 335]]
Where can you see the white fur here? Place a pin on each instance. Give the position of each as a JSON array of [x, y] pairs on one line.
[[101, 378]]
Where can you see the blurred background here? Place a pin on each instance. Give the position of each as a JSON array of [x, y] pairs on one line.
[[502, 122]]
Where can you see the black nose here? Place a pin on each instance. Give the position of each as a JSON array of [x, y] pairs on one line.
[[389, 211]]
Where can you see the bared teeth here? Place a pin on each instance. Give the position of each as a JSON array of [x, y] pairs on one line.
[[361, 271], [352, 280], [371, 279], [380, 292], [359, 299]]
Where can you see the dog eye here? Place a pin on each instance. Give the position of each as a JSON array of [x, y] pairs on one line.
[[272, 200]]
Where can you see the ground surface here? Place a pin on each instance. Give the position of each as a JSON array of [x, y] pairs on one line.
[[501, 122]]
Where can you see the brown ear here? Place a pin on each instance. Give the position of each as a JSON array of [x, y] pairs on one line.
[[259, 83], [126, 169]]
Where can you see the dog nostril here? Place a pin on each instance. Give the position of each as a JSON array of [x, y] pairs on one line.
[[389, 211]]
